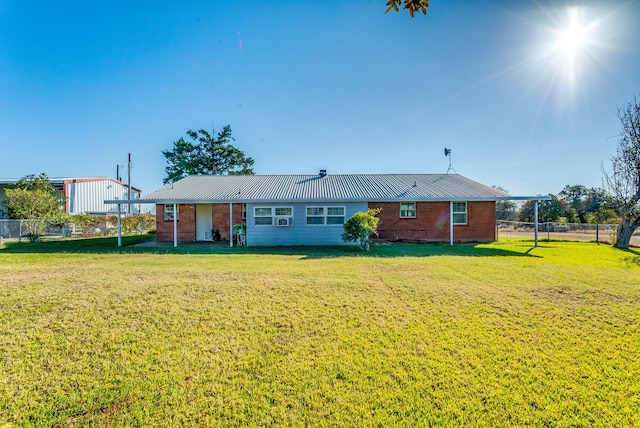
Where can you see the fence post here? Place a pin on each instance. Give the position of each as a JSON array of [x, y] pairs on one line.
[[597, 233], [20, 231]]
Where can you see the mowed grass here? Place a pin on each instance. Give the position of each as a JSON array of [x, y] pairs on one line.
[[409, 335]]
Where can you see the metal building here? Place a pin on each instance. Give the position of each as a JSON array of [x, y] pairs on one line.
[[85, 195]]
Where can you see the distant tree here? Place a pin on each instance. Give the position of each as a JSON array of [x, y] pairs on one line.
[[603, 216], [506, 210], [35, 182], [206, 154], [581, 200], [412, 6], [623, 183], [33, 198], [360, 226], [548, 211]]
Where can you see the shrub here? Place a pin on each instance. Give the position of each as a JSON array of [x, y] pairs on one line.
[[360, 226]]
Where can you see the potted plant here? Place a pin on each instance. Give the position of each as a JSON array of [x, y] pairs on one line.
[[240, 228]]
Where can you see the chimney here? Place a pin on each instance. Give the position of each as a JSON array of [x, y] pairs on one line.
[[323, 173]]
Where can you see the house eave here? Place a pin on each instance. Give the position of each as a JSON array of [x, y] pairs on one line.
[[327, 200]]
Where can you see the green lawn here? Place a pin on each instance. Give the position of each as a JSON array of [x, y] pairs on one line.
[[408, 335]]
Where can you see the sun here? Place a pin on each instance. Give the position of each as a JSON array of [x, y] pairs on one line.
[[569, 49], [571, 40], [573, 37]]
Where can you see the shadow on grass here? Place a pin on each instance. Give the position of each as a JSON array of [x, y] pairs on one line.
[[131, 245], [633, 258]]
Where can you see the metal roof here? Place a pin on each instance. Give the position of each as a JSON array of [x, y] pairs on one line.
[[316, 188], [59, 181]]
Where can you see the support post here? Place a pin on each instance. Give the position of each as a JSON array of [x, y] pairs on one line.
[[175, 225], [119, 226], [450, 222], [129, 185], [535, 219], [230, 224]]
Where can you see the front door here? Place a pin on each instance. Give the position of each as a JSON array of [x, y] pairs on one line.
[[203, 222]]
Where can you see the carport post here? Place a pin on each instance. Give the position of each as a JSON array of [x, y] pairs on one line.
[[535, 219], [450, 222], [230, 224], [175, 225], [119, 227]]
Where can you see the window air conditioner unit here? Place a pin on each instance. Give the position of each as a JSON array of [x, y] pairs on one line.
[[282, 221]]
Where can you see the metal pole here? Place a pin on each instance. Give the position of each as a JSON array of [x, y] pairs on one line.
[[230, 224], [597, 233], [450, 222], [119, 227], [175, 225], [129, 184], [535, 216]]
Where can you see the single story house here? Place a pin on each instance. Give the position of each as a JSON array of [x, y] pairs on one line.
[[290, 210], [84, 195]]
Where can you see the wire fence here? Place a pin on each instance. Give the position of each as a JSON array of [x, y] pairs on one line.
[[601, 233], [25, 229], [87, 227]]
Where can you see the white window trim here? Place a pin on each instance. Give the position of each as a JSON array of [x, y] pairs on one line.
[[169, 208], [415, 209], [273, 216], [325, 215], [465, 212]]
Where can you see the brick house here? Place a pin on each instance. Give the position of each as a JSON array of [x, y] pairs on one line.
[[289, 210]]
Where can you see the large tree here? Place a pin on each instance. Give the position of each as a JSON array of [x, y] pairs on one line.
[[623, 182], [206, 154], [581, 201], [33, 198], [412, 6]]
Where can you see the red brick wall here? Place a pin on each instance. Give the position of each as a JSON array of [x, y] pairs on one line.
[[431, 223], [186, 224], [220, 218]]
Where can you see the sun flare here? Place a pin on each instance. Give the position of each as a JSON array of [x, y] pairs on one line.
[[571, 40], [570, 47]]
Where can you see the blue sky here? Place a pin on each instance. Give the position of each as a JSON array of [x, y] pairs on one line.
[[309, 85]]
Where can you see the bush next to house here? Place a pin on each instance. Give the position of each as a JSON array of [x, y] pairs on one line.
[[360, 226], [93, 226]]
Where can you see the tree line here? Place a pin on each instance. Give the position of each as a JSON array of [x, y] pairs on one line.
[[573, 204]]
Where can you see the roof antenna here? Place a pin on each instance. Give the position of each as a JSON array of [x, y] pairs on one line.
[[447, 152]]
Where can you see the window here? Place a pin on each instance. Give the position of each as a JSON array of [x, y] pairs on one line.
[[284, 211], [244, 211], [459, 213], [265, 216], [168, 212], [315, 215], [335, 215], [407, 209], [325, 216]]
